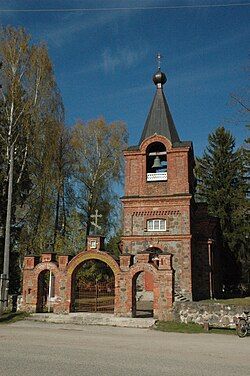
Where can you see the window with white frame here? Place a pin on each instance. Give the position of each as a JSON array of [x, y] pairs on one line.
[[156, 225]]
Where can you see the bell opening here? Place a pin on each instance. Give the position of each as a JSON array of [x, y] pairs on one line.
[[156, 155]]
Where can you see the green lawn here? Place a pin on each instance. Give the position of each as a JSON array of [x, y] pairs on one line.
[[10, 317], [234, 301], [177, 327]]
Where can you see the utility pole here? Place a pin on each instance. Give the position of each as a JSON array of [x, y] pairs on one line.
[[4, 278], [6, 263]]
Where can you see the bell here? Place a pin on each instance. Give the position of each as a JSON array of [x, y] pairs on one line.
[[157, 162]]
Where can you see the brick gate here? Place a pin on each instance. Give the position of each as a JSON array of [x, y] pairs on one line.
[[125, 271]]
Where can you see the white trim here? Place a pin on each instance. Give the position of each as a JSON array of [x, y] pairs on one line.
[[156, 225], [157, 176]]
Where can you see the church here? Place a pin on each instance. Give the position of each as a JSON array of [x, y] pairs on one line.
[[170, 248], [160, 212]]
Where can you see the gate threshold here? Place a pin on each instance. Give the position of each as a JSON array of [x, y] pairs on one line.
[[89, 318]]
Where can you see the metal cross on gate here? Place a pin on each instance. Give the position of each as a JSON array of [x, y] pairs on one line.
[[96, 216]]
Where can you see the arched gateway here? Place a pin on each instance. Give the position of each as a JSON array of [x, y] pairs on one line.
[[65, 270], [95, 288]]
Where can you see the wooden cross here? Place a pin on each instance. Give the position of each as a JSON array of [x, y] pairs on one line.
[[95, 217]]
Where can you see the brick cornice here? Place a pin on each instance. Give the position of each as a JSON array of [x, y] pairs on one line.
[[184, 196], [157, 236], [142, 213], [179, 149], [132, 152]]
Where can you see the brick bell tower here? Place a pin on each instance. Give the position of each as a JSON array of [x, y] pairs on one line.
[[159, 185]]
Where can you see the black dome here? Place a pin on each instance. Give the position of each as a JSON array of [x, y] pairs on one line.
[[159, 77]]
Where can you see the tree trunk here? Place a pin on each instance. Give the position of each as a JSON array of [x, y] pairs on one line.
[[56, 219]]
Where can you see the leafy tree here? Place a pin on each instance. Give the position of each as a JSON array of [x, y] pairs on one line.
[[114, 243], [98, 150], [94, 271], [222, 184], [30, 111]]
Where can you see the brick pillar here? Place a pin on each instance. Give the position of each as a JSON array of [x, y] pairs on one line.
[[29, 284], [125, 261], [48, 256], [63, 261], [165, 287], [186, 281], [123, 309]]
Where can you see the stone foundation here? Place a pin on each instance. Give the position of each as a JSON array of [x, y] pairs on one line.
[[215, 314]]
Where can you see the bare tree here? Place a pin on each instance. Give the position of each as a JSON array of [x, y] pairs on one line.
[[98, 148], [28, 96]]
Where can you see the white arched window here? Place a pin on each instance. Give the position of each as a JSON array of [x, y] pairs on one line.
[[156, 225]]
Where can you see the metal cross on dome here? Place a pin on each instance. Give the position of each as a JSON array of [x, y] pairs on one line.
[[95, 217], [158, 58]]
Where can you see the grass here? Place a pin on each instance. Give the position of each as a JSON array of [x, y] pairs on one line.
[[234, 301], [10, 317], [177, 327]]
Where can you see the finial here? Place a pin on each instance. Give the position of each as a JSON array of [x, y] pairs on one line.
[[158, 58], [159, 77]]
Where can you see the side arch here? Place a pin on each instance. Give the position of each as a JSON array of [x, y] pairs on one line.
[[42, 266], [150, 304], [139, 267], [37, 272]]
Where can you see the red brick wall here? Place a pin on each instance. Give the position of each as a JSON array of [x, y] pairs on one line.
[[169, 200], [149, 281]]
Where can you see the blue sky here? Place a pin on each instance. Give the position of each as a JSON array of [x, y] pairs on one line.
[[104, 59]]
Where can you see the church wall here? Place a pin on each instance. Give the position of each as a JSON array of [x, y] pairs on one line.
[[206, 230], [137, 212], [178, 179], [177, 170], [133, 173], [200, 270]]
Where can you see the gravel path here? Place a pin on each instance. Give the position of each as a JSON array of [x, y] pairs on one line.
[[30, 348]]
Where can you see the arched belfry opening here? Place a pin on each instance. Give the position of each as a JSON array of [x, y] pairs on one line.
[[156, 163]]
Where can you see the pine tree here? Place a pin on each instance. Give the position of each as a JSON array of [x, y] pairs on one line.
[[222, 184]]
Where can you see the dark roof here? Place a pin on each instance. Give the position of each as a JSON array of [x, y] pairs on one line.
[[182, 144], [159, 120]]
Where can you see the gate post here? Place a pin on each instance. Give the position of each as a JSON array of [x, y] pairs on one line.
[[165, 286]]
